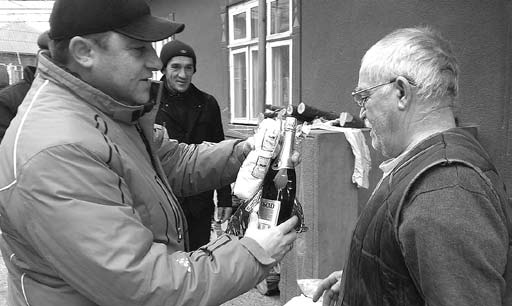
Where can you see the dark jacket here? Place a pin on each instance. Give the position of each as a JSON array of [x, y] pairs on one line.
[[12, 96], [193, 117], [435, 232]]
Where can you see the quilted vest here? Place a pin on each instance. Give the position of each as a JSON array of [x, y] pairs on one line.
[[376, 273]]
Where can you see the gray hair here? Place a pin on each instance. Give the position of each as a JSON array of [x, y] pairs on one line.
[[421, 55]]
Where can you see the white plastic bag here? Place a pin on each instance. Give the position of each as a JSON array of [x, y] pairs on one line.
[[266, 142]]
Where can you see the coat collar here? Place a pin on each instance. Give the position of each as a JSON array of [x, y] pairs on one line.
[[118, 110]]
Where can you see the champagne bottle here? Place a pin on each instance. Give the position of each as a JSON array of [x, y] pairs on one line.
[[279, 184]]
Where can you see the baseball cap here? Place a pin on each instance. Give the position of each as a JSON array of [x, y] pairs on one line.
[[132, 18]]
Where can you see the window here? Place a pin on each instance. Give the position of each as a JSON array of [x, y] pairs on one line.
[[243, 58], [238, 80], [279, 68]]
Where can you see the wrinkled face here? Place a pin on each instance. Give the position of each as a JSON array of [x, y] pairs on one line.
[[123, 68], [380, 113], [179, 72]]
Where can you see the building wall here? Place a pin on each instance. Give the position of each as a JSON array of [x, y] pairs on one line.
[[334, 35]]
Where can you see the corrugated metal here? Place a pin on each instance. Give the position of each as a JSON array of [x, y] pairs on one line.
[[18, 37], [20, 24]]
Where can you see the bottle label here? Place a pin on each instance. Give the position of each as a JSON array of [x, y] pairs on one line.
[[268, 213], [260, 169]]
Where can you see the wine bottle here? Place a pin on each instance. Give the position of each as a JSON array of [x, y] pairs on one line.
[[279, 184]]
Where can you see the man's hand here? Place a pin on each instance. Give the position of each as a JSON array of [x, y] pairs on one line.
[[223, 214], [248, 145], [276, 241], [330, 288]]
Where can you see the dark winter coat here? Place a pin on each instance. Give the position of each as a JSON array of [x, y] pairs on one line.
[[12, 96], [193, 117]]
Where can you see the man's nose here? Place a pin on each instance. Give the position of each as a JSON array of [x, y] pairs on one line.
[[182, 72]]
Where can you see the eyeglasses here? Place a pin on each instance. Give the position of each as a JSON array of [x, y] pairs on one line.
[[361, 100]]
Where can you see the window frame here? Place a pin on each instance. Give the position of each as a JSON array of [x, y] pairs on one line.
[[232, 54], [248, 45], [235, 10], [269, 85]]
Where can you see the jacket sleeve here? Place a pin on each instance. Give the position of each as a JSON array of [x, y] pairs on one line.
[[195, 168], [95, 241], [224, 193], [455, 239], [217, 134], [224, 198]]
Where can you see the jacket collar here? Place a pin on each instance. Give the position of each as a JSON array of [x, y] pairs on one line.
[[118, 110], [456, 134]]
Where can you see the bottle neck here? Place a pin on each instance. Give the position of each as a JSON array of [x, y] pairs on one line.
[[285, 157]]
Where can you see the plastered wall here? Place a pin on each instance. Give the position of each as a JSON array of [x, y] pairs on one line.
[[335, 35]]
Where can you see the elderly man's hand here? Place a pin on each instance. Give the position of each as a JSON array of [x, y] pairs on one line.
[[330, 288], [276, 241]]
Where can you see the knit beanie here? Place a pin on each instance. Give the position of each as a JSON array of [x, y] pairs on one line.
[[176, 48]]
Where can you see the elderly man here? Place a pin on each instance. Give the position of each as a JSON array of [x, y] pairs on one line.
[[437, 229], [192, 116], [88, 188]]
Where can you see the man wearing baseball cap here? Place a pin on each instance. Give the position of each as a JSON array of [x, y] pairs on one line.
[[88, 186], [191, 115]]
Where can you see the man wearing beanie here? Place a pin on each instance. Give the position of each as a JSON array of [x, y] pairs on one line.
[[12, 96], [88, 185], [192, 116]]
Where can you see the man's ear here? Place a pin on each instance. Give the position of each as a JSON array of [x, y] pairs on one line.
[[405, 93], [81, 50]]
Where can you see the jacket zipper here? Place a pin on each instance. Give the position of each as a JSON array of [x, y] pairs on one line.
[[166, 222], [157, 179], [176, 219]]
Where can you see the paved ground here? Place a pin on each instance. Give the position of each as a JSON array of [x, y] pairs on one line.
[[251, 298], [254, 298]]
